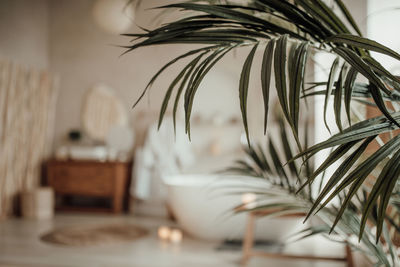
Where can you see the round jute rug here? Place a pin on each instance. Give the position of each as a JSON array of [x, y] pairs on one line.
[[92, 235]]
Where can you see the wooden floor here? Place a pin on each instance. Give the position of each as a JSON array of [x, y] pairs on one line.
[[20, 247]]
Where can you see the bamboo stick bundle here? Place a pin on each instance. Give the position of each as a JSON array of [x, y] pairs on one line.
[[16, 135], [4, 80], [34, 100], [27, 109], [9, 138]]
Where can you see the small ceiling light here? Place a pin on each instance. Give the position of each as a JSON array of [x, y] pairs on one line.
[[114, 16]]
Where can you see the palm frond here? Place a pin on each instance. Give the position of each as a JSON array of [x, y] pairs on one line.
[[258, 167], [303, 26]]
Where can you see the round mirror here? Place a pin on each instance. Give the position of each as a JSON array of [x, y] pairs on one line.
[[102, 110]]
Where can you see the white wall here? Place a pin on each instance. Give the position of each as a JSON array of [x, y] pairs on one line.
[[61, 35], [383, 20], [84, 55], [24, 32]]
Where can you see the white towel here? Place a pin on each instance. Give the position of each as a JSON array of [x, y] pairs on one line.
[[162, 155]]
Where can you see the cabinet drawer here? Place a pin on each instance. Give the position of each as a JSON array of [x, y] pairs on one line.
[[82, 179]]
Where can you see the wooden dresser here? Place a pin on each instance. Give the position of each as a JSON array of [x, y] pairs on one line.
[[107, 180]]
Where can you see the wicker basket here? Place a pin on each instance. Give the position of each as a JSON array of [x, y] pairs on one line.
[[38, 203]]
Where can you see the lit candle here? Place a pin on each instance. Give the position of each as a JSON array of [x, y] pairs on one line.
[[164, 232], [251, 205], [248, 198], [176, 236]]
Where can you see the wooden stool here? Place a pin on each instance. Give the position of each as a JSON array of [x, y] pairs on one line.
[[248, 243]]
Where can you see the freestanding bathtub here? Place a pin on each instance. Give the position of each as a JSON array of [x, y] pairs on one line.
[[202, 205]]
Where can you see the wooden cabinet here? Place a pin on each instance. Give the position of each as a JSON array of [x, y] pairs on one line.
[[90, 179]]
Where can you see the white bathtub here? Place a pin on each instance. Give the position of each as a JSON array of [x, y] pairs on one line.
[[202, 205]]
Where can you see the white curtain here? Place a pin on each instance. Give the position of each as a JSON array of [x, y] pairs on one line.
[[27, 109]]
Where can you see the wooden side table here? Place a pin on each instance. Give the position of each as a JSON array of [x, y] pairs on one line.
[[90, 179]]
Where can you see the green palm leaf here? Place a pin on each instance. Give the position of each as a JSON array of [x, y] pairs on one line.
[[339, 174], [296, 74], [337, 101], [201, 72], [348, 90], [244, 87], [266, 78], [365, 43], [383, 182], [167, 96], [357, 177], [168, 65], [280, 77], [182, 85], [359, 131], [329, 87]]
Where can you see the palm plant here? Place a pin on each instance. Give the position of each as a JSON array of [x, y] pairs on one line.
[[281, 198], [289, 31]]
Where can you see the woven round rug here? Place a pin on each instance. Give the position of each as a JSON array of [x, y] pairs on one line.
[[92, 235]]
